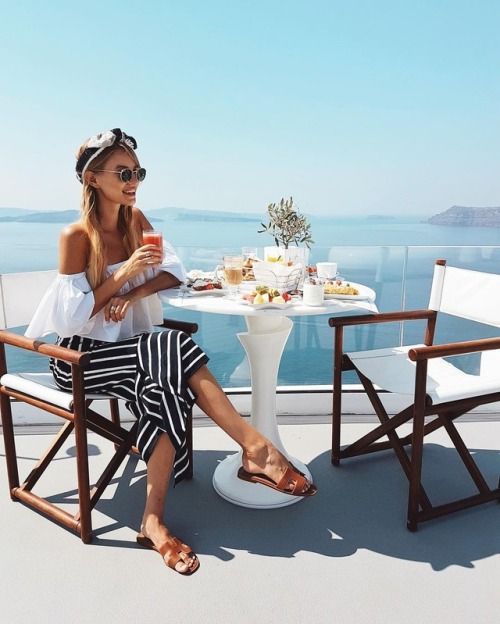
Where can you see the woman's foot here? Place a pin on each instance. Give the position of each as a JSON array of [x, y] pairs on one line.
[[265, 459], [175, 554]]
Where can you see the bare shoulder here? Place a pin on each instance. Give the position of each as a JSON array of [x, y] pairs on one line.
[[74, 231], [74, 247], [140, 219]]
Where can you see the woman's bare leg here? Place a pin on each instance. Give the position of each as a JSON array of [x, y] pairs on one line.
[[259, 454], [159, 471]]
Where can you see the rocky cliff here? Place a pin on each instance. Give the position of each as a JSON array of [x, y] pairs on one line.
[[464, 216]]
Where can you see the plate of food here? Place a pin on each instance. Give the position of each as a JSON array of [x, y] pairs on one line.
[[263, 297], [341, 289], [204, 287]]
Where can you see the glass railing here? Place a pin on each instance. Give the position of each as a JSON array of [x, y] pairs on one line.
[[401, 277]]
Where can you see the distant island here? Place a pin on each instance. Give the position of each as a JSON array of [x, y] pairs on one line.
[[189, 214], [467, 217], [57, 216], [19, 215]]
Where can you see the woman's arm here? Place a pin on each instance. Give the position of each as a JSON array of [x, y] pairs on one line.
[[74, 249], [162, 281]]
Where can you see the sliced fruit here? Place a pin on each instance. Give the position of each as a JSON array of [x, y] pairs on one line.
[[260, 299]]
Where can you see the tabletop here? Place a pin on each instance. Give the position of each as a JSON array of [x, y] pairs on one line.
[[218, 304]]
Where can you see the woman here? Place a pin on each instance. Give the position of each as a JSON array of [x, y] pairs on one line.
[[100, 303]]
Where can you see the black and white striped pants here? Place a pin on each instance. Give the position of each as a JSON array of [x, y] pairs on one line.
[[148, 371]]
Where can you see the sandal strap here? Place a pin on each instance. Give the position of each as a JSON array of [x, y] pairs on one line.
[[291, 476], [174, 549]]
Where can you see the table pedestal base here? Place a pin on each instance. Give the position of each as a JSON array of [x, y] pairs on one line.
[[253, 495], [264, 343]]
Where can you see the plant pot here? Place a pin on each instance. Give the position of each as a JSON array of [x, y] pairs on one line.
[[296, 255]]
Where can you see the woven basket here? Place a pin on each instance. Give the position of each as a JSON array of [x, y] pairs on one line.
[[278, 276]]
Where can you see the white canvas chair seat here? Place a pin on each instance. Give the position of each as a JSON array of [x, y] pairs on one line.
[[437, 391], [42, 386], [392, 370]]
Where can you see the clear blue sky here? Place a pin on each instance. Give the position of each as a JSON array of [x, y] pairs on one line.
[[364, 107]]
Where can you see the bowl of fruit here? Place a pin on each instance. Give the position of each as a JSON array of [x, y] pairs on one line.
[[264, 296]]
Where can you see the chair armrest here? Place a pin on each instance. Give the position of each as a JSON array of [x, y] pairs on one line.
[[453, 348], [188, 328], [385, 317], [45, 348]]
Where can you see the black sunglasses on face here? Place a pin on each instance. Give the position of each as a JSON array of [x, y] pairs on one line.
[[125, 175]]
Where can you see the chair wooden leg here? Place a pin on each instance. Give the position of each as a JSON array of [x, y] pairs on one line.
[[80, 408], [9, 443], [337, 395], [417, 445], [394, 439]]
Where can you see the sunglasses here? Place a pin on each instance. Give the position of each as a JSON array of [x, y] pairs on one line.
[[126, 175]]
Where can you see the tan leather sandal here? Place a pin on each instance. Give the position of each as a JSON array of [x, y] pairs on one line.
[[173, 548], [292, 482]]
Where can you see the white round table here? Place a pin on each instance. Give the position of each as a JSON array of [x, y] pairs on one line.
[[268, 331]]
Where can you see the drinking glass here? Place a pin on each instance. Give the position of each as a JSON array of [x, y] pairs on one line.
[[153, 237], [233, 274], [326, 270], [312, 294]]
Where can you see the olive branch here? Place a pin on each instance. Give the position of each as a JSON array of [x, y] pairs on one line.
[[286, 225]]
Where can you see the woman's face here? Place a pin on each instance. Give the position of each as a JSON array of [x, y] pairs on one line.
[[108, 184]]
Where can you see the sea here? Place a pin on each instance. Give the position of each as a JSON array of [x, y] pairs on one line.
[[393, 255]]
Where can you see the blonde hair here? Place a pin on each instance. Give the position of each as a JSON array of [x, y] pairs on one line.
[[89, 217]]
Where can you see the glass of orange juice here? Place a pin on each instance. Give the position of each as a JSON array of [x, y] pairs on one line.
[[233, 274]]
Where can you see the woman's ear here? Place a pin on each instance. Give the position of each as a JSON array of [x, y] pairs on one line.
[[91, 179]]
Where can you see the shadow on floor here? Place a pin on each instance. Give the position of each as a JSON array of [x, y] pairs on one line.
[[360, 505]]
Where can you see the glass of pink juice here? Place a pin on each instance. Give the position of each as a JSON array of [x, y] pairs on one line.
[[153, 237]]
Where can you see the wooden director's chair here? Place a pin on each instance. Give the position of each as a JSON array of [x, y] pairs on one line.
[[20, 294], [431, 385]]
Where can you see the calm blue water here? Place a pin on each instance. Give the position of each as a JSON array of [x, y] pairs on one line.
[[30, 246], [367, 251]]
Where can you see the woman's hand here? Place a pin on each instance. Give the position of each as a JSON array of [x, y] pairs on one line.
[[116, 308], [145, 257]]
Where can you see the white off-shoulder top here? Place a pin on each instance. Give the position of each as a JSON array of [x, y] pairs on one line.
[[66, 307]]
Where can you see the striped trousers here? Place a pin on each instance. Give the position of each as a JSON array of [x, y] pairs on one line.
[[150, 372]]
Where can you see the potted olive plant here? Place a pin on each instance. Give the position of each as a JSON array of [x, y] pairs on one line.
[[288, 227]]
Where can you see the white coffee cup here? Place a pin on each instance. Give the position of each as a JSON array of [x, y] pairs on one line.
[[326, 270], [312, 294]]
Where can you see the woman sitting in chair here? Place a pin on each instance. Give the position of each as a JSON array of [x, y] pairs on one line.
[[100, 303]]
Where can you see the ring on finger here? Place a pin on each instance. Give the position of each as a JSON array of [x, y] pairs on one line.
[[112, 308]]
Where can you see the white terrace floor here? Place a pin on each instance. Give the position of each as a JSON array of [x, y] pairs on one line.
[[344, 556]]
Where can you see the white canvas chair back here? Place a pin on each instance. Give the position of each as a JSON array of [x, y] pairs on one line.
[[471, 295], [20, 294]]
